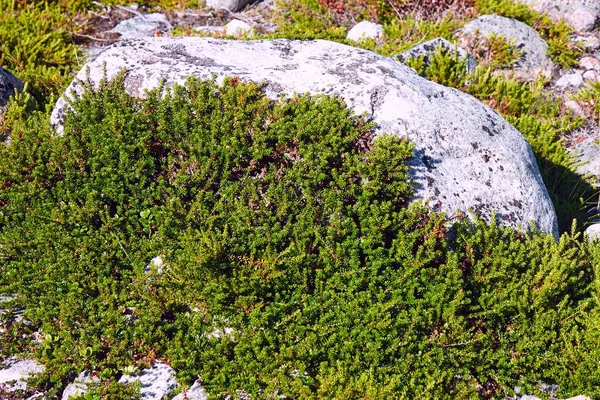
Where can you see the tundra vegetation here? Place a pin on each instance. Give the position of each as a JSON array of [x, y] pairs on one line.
[[293, 265]]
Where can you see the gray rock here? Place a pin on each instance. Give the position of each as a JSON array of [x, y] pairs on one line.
[[593, 232], [467, 157], [8, 84], [238, 28], [589, 43], [581, 14], [157, 381], [527, 40], [365, 30], [80, 385], [143, 26], [15, 372], [587, 151], [195, 392], [572, 79], [429, 47], [231, 5]]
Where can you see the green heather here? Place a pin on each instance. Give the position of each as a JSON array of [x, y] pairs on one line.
[[294, 266]]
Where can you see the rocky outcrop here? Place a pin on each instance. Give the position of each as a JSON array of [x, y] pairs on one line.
[[527, 40], [467, 157], [583, 15]]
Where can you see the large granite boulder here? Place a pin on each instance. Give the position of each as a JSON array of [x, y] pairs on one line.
[[467, 157]]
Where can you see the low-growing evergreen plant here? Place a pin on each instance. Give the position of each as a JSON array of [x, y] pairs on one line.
[[292, 265]]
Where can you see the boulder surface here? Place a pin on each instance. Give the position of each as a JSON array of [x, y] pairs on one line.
[[527, 40], [583, 15], [467, 157]]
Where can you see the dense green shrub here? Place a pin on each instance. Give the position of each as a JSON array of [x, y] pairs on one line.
[[292, 263]]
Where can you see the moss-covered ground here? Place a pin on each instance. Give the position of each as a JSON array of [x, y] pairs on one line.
[[293, 266]]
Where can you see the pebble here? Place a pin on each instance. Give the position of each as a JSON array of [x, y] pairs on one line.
[[590, 75], [588, 63], [583, 19], [238, 28], [365, 30], [572, 79]]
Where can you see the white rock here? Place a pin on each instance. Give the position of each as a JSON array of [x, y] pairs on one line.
[[157, 381], [365, 30], [593, 232], [79, 385], [195, 392], [583, 19], [158, 263], [238, 28], [18, 371], [590, 75], [467, 157], [570, 80], [527, 40], [231, 5], [143, 26], [589, 63], [590, 43], [575, 107]]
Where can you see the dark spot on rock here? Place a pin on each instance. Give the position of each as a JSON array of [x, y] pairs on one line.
[[501, 168], [428, 161], [487, 130], [488, 183], [475, 145], [486, 158]]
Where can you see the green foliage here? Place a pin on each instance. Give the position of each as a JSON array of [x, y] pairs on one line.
[[443, 66], [589, 97], [36, 45], [493, 51], [292, 263]]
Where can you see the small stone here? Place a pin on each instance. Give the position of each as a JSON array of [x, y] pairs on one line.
[[589, 43], [588, 63], [230, 5], [143, 26], [365, 30], [590, 75], [572, 79], [580, 397], [238, 28], [158, 263], [593, 232], [195, 392], [157, 381], [582, 19], [575, 107]]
